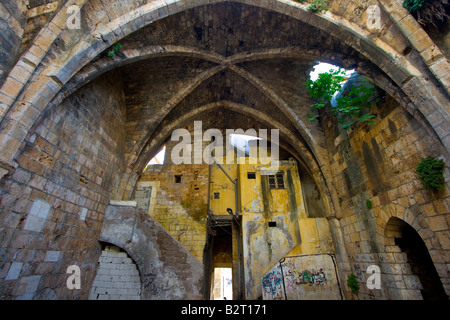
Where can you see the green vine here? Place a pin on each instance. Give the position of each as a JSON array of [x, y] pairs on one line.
[[413, 5], [317, 6], [349, 108], [115, 47], [369, 204], [352, 283], [429, 12], [431, 172]]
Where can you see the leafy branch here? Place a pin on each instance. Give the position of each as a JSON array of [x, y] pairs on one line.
[[115, 47], [349, 107], [317, 6], [429, 12]]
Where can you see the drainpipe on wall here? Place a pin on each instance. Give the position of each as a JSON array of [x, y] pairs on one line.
[[235, 218]]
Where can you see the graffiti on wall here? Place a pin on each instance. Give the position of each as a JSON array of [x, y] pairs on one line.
[[300, 277], [293, 277], [272, 284]]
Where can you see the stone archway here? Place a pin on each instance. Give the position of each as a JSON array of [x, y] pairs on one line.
[[68, 136], [117, 276], [413, 271], [90, 43]]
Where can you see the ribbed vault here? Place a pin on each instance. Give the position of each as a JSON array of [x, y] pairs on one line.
[[179, 60], [222, 59]]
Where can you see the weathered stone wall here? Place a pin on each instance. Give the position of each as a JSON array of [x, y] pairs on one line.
[[181, 207], [377, 164], [57, 196], [12, 23], [117, 277], [62, 156], [168, 271]]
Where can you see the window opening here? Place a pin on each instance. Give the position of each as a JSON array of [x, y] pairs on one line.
[[276, 181], [159, 158], [178, 178]]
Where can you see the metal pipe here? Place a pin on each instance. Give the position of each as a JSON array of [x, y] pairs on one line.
[[235, 216], [234, 181], [226, 173]]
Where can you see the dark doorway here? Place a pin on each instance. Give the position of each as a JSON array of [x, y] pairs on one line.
[[420, 263], [218, 256]]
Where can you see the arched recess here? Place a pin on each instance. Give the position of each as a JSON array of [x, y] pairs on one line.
[[153, 250], [219, 64], [53, 74], [412, 270], [129, 56], [117, 276]]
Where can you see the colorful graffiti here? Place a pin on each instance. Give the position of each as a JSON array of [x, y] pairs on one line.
[[293, 277], [297, 276], [272, 283]]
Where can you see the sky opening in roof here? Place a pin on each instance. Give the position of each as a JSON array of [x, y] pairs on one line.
[[159, 158], [325, 67]]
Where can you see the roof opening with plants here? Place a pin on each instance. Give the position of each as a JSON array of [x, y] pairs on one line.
[[349, 104]]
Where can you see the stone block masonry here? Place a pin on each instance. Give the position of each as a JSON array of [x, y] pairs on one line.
[[52, 206], [117, 277], [77, 128], [181, 207], [167, 270], [389, 151]]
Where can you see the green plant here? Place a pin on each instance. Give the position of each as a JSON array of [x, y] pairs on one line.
[[351, 105], [428, 12], [369, 204], [115, 47], [431, 172], [318, 6], [413, 5], [324, 87], [352, 283], [349, 108]]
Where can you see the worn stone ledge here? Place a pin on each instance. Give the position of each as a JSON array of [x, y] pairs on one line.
[[6, 167], [123, 203]]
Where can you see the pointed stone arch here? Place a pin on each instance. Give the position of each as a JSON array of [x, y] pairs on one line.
[[48, 79], [412, 271]]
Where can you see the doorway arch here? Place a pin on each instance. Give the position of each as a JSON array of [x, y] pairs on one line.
[[413, 266]]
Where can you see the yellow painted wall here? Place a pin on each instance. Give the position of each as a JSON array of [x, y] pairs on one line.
[[181, 208], [264, 245], [316, 237], [221, 184]]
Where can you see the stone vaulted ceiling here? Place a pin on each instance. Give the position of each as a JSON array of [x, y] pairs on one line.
[[252, 62], [245, 61]]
